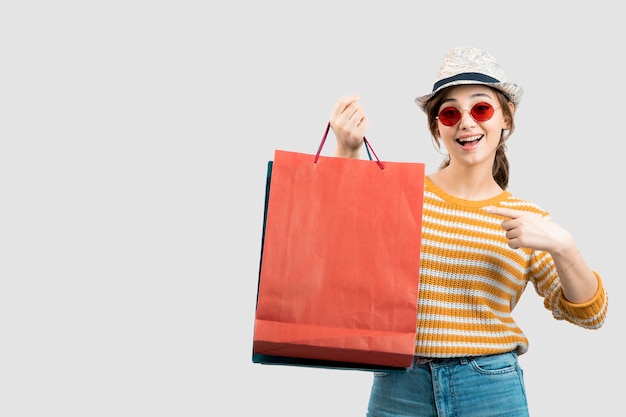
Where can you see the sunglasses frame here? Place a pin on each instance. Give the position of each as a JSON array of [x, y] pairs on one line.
[[470, 111]]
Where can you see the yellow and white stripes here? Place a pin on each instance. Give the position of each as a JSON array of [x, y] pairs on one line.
[[470, 280]]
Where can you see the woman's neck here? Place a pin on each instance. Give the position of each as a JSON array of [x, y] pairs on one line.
[[468, 185]]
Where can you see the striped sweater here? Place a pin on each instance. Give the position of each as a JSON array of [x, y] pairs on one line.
[[471, 280]]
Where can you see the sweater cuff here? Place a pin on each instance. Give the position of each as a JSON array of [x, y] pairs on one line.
[[592, 308]]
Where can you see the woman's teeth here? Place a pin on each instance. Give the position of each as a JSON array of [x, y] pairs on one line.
[[470, 139]]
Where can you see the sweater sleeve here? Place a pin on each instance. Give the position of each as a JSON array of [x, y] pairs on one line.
[[589, 315], [592, 313]]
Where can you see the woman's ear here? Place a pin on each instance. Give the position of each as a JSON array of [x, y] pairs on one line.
[[507, 120]]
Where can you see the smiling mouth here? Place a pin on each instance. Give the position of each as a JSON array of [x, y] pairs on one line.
[[466, 142]]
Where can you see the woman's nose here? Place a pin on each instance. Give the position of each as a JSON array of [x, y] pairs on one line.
[[466, 119]]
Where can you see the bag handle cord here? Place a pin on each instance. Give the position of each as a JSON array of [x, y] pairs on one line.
[[368, 148]]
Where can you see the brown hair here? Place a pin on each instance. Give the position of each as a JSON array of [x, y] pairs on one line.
[[500, 169]]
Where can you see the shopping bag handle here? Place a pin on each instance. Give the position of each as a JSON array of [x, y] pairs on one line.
[[368, 147]]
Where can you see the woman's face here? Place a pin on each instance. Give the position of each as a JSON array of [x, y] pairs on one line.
[[473, 139]]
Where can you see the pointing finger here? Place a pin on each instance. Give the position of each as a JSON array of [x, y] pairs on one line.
[[503, 211]]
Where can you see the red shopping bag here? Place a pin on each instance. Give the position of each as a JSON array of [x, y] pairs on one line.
[[339, 270]]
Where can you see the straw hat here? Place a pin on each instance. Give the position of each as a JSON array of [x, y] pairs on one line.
[[468, 65]]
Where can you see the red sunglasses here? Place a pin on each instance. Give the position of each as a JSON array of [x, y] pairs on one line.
[[481, 112]]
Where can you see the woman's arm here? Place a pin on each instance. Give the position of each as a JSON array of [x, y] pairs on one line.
[[530, 230]]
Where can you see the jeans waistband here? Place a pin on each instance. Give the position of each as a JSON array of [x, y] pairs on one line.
[[422, 360]]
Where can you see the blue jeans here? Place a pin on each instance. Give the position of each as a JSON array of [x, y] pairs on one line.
[[483, 386]]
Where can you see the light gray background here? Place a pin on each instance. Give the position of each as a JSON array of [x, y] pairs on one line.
[[134, 142]]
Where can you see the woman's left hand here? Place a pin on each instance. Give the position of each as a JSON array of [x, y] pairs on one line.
[[530, 230]]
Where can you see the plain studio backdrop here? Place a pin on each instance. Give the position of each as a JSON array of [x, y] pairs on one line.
[[134, 141]]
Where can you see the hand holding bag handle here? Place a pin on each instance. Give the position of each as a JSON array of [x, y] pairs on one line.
[[368, 147]]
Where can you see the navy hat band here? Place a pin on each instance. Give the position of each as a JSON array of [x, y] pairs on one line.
[[466, 76]]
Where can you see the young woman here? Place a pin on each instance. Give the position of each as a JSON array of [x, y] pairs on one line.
[[481, 246]]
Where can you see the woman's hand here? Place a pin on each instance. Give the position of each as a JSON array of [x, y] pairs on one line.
[[528, 230], [349, 124]]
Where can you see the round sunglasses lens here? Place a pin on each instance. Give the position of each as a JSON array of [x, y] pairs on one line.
[[449, 116], [482, 112]]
